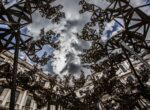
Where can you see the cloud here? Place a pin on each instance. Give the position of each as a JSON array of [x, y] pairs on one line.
[[67, 56], [111, 29], [69, 43], [48, 68], [9, 3], [66, 59], [74, 23], [136, 3], [74, 68], [103, 3], [37, 24]]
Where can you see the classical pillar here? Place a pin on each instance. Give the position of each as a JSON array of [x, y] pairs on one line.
[[23, 100], [34, 105], [6, 97]]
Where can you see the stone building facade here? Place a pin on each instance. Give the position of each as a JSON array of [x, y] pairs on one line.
[[24, 99]]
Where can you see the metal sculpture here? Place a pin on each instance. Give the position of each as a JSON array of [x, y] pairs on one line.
[[107, 91], [18, 16], [130, 42], [104, 92], [130, 35], [13, 19]]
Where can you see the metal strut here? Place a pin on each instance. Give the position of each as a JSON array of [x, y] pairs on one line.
[[14, 73], [132, 68], [135, 54]]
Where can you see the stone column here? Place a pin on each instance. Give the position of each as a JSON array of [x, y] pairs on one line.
[[6, 97], [23, 99], [34, 105]]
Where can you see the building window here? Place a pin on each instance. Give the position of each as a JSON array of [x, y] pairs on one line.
[[123, 68], [36, 77], [17, 95], [1, 90], [42, 82], [1, 60], [130, 79], [28, 102]]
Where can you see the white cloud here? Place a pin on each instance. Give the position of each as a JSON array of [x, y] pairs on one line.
[[67, 57], [136, 3], [101, 3]]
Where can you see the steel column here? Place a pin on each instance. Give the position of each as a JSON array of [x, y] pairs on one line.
[[14, 73]]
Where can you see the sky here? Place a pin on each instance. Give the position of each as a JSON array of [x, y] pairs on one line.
[[66, 59]]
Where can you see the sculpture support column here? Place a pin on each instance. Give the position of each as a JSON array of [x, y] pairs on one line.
[[14, 73]]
